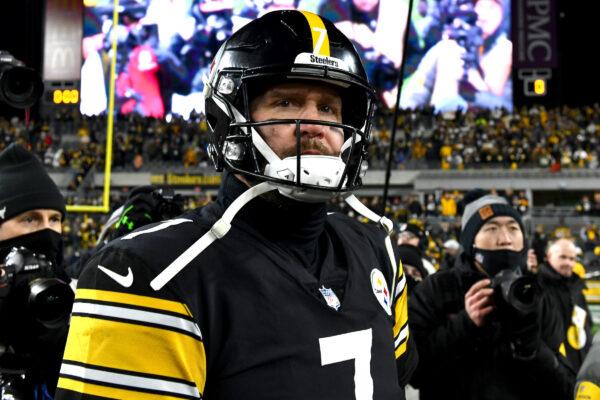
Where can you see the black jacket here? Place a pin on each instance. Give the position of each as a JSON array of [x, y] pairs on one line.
[[246, 318], [458, 360], [565, 294]]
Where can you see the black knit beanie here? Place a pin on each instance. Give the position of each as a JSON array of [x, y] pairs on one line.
[[25, 185], [478, 211]]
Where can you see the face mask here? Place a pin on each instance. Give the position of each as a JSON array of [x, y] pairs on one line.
[[494, 261], [45, 241]]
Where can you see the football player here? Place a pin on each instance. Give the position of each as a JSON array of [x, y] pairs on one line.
[[262, 294]]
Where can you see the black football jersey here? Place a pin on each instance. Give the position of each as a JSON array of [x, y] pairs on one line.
[[243, 320]]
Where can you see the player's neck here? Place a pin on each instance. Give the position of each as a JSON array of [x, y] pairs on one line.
[[276, 216]]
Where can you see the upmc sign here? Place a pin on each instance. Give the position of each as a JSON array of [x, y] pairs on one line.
[[62, 40], [534, 38]]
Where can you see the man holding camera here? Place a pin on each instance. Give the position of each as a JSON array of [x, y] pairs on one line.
[[35, 298], [482, 329], [564, 290]]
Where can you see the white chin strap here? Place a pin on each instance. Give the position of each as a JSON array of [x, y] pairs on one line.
[[316, 170], [388, 226], [217, 231], [223, 225]]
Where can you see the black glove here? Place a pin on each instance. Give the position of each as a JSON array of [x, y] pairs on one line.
[[141, 208]]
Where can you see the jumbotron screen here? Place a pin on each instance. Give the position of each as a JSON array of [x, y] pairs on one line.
[[166, 47], [459, 55]]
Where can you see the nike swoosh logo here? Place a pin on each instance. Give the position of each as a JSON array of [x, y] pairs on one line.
[[123, 280]]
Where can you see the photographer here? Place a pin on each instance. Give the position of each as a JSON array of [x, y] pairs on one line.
[[482, 329], [35, 298]]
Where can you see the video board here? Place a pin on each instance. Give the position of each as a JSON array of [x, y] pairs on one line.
[[459, 55], [166, 47]]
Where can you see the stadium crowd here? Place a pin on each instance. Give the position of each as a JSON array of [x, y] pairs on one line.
[[536, 137], [438, 214], [527, 138]]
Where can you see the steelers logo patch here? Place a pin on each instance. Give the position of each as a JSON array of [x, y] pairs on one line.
[[380, 290]]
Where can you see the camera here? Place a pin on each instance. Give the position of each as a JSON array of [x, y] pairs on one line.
[[34, 309], [32, 292], [20, 87], [517, 291], [461, 23], [168, 204], [462, 26]]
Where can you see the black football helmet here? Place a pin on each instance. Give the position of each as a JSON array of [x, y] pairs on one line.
[[279, 47]]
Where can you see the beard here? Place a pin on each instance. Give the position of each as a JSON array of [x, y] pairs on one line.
[[307, 145]]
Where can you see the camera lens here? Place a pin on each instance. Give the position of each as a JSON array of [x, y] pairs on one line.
[[50, 300], [524, 291], [516, 291], [20, 87], [522, 294]]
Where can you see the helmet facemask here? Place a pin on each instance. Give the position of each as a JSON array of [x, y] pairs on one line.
[[304, 177]]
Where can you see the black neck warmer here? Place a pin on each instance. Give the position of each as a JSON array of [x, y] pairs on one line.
[[45, 241], [293, 225]]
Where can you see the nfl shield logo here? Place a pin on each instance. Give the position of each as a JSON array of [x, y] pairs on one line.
[[330, 297]]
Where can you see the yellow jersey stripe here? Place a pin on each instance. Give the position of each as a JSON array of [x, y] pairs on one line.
[[401, 330], [402, 335], [109, 392], [401, 349], [400, 311], [400, 285], [136, 348], [109, 311], [129, 381], [320, 38], [401, 314], [132, 299]]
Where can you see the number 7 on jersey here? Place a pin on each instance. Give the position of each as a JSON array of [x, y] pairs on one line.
[[351, 346]]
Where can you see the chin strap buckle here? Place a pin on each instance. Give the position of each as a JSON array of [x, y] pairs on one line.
[[387, 225]]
